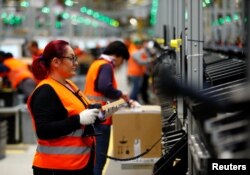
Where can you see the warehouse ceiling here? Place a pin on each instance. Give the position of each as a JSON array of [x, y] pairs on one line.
[[122, 10], [114, 5], [117, 15]]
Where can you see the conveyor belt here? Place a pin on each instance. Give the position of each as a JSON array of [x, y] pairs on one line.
[[224, 70], [224, 132]]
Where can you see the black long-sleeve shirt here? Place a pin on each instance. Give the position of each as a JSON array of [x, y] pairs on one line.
[[51, 118], [104, 84]]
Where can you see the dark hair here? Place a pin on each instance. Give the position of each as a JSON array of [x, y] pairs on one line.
[[2, 53], [5, 55], [8, 55], [41, 65], [117, 48], [34, 43]]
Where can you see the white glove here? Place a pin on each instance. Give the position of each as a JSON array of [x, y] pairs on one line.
[[134, 104], [88, 116], [101, 116]]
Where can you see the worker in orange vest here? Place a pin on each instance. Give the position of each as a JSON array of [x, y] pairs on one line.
[[60, 115], [34, 49], [18, 74], [135, 71], [101, 87], [144, 57]]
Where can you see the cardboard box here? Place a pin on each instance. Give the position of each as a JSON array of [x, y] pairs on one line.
[[135, 131]]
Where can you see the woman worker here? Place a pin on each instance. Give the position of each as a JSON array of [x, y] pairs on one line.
[[60, 115]]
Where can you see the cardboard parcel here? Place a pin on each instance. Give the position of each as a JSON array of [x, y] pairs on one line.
[[135, 131]]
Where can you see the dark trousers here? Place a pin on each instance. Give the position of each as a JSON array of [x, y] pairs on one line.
[[135, 82], [102, 144], [37, 171], [144, 89]]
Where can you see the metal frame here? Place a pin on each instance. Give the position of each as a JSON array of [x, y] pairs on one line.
[[194, 62], [180, 30], [247, 28], [1, 25]]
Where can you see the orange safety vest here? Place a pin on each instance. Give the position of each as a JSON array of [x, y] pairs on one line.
[[18, 71], [133, 68], [90, 91], [70, 152], [37, 54]]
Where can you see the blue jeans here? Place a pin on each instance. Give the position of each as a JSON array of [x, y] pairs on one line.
[[136, 82], [102, 144]]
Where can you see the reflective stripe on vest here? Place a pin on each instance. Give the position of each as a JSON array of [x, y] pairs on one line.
[[77, 133], [63, 150]]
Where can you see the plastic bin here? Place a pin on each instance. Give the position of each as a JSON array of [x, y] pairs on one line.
[[28, 134], [3, 138]]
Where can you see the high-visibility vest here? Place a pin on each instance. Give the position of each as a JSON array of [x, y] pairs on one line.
[[134, 68], [70, 152], [18, 71], [37, 54], [90, 91]]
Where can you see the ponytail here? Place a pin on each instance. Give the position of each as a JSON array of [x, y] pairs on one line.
[[39, 69]]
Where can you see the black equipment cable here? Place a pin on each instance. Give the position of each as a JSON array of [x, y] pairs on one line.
[[135, 157]]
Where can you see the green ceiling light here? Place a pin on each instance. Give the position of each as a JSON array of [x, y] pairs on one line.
[[18, 19], [89, 12], [113, 23], [100, 17], [236, 17], [58, 24], [45, 10], [221, 21], [228, 19], [69, 3], [11, 19], [65, 15], [207, 1], [96, 15], [83, 9], [116, 24], [85, 21], [24, 4], [4, 15], [153, 12]]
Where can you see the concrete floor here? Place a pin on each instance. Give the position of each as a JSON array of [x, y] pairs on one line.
[[18, 160]]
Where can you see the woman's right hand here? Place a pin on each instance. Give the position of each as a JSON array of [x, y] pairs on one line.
[[88, 116]]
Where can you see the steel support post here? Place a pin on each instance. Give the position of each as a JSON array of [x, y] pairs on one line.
[[52, 19], [180, 32], [194, 61], [247, 28], [170, 19], [162, 17], [1, 25]]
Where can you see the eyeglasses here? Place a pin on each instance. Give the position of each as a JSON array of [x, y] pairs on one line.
[[74, 58]]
